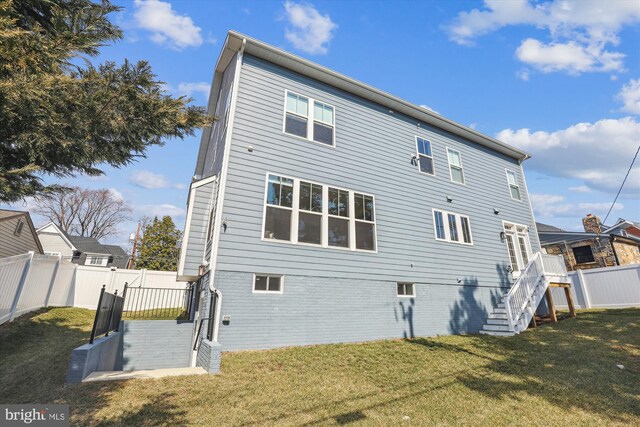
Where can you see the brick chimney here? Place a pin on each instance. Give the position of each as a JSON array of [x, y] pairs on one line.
[[591, 224]]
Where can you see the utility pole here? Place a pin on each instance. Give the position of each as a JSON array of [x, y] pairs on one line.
[[133, 252]]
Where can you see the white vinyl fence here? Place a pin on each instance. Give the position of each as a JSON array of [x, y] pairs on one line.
[[31, 281], [610, 287]]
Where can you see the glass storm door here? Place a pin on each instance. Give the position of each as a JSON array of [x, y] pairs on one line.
[[518, 246]]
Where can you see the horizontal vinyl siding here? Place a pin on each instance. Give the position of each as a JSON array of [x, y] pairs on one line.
[[196, 243], [215, 148], [55, 243], [372, 155], [10, 244]]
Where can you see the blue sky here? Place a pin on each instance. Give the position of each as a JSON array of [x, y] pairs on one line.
[[560, 79]]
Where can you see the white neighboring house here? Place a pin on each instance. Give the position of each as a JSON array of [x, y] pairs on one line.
[[80, 250]]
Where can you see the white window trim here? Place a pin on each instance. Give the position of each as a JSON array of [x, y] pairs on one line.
[[464, 179], [515, 175], [517, 233], [253, 283], [413, 288], [418, 154], [310, 119], [91, 256], [325, 216], [447, 232]]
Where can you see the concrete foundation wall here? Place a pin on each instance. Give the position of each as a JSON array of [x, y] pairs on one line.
[[316, 310], [105, 354], [155, 344]]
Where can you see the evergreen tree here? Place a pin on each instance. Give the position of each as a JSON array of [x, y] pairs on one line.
[[159, 247], [61, 115]]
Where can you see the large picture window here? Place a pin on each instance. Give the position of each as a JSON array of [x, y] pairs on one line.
[[300, 211], [452, 227], [277, 223], [310, 215], [309, 118]]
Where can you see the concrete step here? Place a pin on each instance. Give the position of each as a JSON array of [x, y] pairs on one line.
[[497, 333], [147, 373], [500, 310], [491, 321], [488, 327], [500, 305]]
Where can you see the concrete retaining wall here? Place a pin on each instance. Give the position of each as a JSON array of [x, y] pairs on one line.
[[155, 344], [105, 354]]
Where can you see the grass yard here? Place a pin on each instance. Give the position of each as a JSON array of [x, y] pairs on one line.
[[562, 374]]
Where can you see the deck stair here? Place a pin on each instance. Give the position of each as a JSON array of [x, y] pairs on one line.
[[518, 305]]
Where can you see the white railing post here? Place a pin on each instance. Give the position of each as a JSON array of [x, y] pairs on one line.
[[54, 275], [23, 280], [507, 306]]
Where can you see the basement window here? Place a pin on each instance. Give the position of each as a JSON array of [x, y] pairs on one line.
[[406, 289], [267, 283], [583, 254]]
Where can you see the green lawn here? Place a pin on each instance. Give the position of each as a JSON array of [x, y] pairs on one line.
[[561, 374]]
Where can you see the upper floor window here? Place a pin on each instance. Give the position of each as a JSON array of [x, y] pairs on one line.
[[319, 215], [452, 227], [455, 166], [514, 188], [425, 158], [309, 119]]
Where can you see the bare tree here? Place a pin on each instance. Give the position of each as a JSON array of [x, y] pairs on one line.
[[85, 212]]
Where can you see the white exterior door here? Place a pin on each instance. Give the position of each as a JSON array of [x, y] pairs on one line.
[[518, 246]]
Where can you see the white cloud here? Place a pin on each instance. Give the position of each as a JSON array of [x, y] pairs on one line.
[[580, 189], [570, 57], [597, 153], [116, 194], [146, 179], [579, 31], [629, 95], [554, 206], [309, 31], [160, 210], [190, 88], [166, 26], [428, 108], [523, 74]]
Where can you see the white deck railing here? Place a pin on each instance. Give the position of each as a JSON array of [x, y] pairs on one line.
[[530, 287]]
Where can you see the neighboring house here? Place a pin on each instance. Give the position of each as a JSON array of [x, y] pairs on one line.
[[598, 246], [17, 234], [81, 250], [325, 210]]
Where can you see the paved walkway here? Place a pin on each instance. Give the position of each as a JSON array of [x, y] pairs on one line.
[[149, 373]]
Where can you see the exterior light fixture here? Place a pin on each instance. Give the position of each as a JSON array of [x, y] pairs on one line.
[[496, 211], [449, 199], [503, 236]]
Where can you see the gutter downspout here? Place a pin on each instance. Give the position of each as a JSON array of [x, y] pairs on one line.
[[613, 248]]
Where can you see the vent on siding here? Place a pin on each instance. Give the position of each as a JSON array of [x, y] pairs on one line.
[[19, 227]]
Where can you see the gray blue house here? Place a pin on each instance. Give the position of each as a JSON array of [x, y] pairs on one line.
[[323, 210]]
